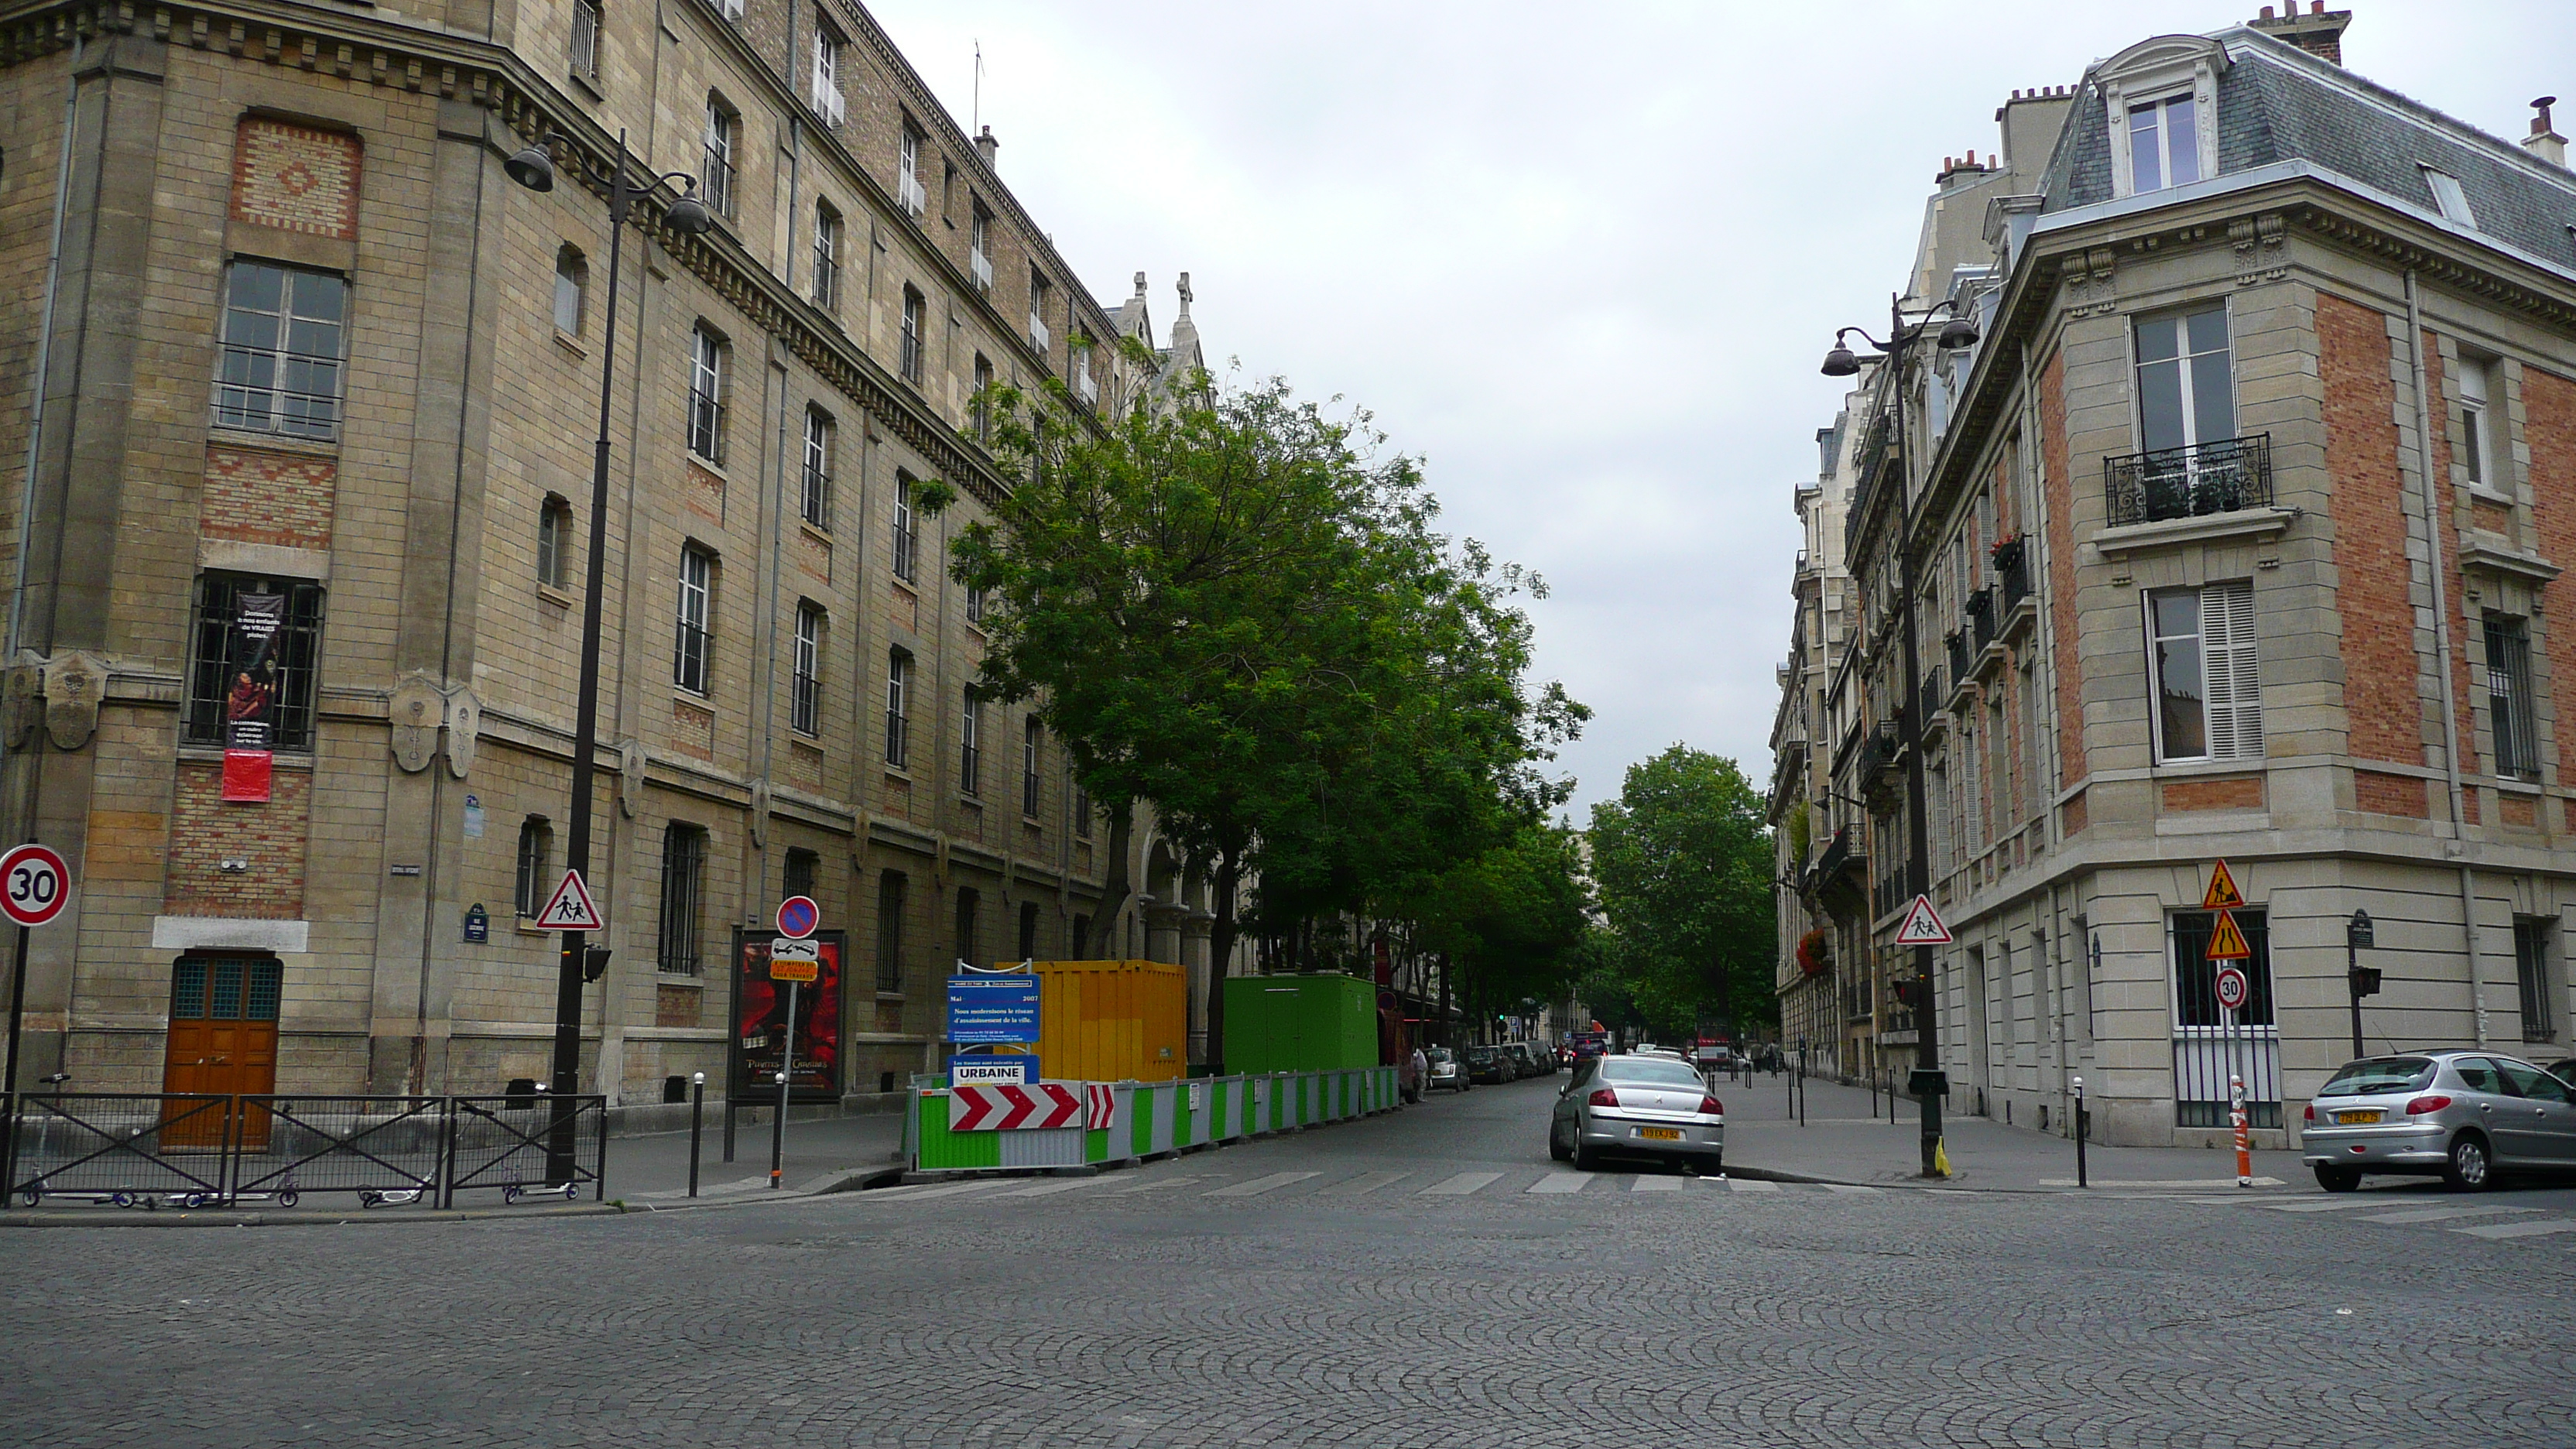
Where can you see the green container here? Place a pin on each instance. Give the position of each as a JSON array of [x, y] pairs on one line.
[[1299, 1023]]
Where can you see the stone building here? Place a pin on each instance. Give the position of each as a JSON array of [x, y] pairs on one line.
[[307, 388], [2238, 537]]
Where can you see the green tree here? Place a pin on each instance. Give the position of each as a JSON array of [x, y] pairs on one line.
[[1684, 865], [1229, 608], [1513, 921]]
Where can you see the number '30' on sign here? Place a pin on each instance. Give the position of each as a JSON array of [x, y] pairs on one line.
[[34, 883]]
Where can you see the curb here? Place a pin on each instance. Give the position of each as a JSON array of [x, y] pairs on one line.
[[217, 1218]]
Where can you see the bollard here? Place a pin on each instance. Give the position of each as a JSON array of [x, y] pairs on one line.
[[778, 1134], [697, 1120], [2080, 1177], [2244, 1138]]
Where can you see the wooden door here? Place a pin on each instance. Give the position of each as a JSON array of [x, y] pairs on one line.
[[223, 1039]]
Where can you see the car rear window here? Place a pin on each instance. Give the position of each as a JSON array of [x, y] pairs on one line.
[[1437, 1054], [1649, 1072], [2385, 1074]]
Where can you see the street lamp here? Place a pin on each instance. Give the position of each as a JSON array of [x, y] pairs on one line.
[[1928, 1084], [534, 168]]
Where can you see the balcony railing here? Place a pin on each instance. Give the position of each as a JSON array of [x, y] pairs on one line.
[[2012, 566], [1837, 855], [1981, 618], [2221, 477], [1958, 642], [1929, 700]]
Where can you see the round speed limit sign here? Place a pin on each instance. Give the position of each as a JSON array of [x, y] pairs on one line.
[[2231, 988], [34, 883]]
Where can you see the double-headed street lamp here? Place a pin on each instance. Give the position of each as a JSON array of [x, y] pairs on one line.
[[534, 168], [1929, 1083]]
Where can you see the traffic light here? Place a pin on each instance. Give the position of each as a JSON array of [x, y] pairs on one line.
[[2365, 981], [594, 962], [1909, 992]]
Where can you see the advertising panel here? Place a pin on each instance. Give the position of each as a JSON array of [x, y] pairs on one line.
[[760, 1022], [250, 696]]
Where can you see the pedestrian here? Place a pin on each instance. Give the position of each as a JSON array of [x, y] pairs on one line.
[[1421, 1073]]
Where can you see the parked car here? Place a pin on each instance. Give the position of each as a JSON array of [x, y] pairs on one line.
[[1524, 1062], [2470, 1116], [1488, 1065], [1637, 1105], [2564, 1071], [1447, 1072]]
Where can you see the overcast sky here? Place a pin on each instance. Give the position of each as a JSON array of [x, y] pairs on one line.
[[1581, 259]]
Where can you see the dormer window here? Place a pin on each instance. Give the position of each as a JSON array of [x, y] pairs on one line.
[[2164, 143]]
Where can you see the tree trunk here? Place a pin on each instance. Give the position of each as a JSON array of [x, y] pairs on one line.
[[1229, 874], [1113, 889], [1444, 1001]]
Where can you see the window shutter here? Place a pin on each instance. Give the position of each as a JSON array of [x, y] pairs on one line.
[[2234, 691]]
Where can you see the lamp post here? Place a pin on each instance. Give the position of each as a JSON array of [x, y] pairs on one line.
[[1928, 1082], [534, 168]]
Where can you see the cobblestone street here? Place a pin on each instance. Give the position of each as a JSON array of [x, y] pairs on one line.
[[1426, 1278]]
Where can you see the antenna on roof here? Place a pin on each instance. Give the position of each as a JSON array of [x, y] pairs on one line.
[[977, 109]]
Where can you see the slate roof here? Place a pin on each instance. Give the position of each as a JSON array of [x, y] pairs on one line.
[[2278, 103]]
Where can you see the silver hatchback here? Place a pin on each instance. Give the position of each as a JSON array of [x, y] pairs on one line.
[[2469, 1116], [1645, 1106]]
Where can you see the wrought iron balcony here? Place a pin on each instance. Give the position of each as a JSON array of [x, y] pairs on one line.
[[1981, 618], [2012, 566], [1958, 642], [2206, 478], [1935, 690]]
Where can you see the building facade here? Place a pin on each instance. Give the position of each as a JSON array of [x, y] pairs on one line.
[[2238, 538], [307, 404]]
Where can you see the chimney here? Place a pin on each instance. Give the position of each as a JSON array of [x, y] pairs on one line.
[[2319, 32], [2544, 140], [986, 146]]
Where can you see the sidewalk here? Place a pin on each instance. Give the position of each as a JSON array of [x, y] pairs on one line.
[[1842, 1142], [654, 1169]]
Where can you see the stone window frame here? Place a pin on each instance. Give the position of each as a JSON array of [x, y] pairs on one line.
[[681, 904], [235, 387], [582, 41], [2155, 70], [898, 708], [2249, 717], [299, 654], [970, 744], [829, 231], [572, 285], [720, 144], [554, 542], [822, 445], [710, 372], [893, 889], [534, 880], [693, 635], [805, 673]]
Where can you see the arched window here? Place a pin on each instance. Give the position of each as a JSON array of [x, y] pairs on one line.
[[715, 175], [554, 541], [572, 279], [536, 858]]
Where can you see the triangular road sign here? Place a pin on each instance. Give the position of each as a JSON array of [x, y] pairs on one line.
[[569, 908], [2226, 943], [2222, 894], [1922, 925]]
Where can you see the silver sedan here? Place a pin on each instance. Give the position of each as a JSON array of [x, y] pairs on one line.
[[1637, 1105], [2470, 1116]]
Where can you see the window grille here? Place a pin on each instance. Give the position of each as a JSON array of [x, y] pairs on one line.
[[827, 256], [690, 646], [1030, 733], [906, 533], [2509, 699], [890, 903], [802, 866], [2531, 971], [212, 677], [684, 861], [898, 721], [284, 335], [814, 503], [715, 175], [805, 711], [970, 728], [585, 37], [911, 359], [706, 396]]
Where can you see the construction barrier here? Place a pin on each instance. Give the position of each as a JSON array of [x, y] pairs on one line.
[[1149, 1119]]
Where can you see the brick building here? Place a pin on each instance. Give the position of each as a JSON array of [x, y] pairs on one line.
[[311, 451], [2238, 536]]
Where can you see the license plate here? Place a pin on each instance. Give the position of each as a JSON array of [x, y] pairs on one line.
[[2347, 1119], [1660, 1134]]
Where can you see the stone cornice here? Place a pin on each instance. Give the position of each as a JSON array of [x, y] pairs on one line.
[[403, 56]]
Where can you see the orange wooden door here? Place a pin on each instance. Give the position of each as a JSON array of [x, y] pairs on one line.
[[223, 1039]]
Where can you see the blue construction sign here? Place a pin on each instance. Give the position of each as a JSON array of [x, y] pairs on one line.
[[992, 1010]]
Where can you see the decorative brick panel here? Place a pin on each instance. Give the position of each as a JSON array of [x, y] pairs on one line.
[[2072, 815], [255, 496], [2490, 515], [2066, 669], [2382, 701], [890, 1017], [805, 767], [296, 179], [2237, 792], [675, 1005], [2383, 794], [2519, 810], [205, 831], [2549, 426], [693, 730], [706, 493]]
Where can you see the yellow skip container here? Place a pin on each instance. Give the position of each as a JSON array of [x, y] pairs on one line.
[[1113, 1021]]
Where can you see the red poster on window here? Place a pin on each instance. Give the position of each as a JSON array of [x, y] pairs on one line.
[[250, 697]]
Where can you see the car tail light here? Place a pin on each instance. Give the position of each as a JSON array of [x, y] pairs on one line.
[[1712, 1107], [2421, 1105], [2311, 1113], [1603, 1097]]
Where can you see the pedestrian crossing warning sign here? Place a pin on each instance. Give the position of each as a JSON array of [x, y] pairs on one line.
[[1922, 926], [2222, 894], [2226, 943], [569, 908]]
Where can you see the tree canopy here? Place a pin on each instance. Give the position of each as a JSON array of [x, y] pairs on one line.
[[1684, 866]]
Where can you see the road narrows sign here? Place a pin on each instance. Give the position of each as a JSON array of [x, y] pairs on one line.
[[570, 908], [2226, 942], [34, 883], [1922, 925], [2222, 894]]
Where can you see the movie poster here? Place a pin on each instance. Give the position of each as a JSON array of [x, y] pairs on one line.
[[760, 1019], [250, 694]]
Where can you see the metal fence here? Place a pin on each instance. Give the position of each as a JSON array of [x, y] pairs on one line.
[[151, 1149]]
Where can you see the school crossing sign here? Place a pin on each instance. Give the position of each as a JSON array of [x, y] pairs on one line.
[[570, 908]]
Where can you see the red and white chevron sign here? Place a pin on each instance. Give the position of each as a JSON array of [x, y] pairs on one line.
[[1100, 1104], [1008, 1109]]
